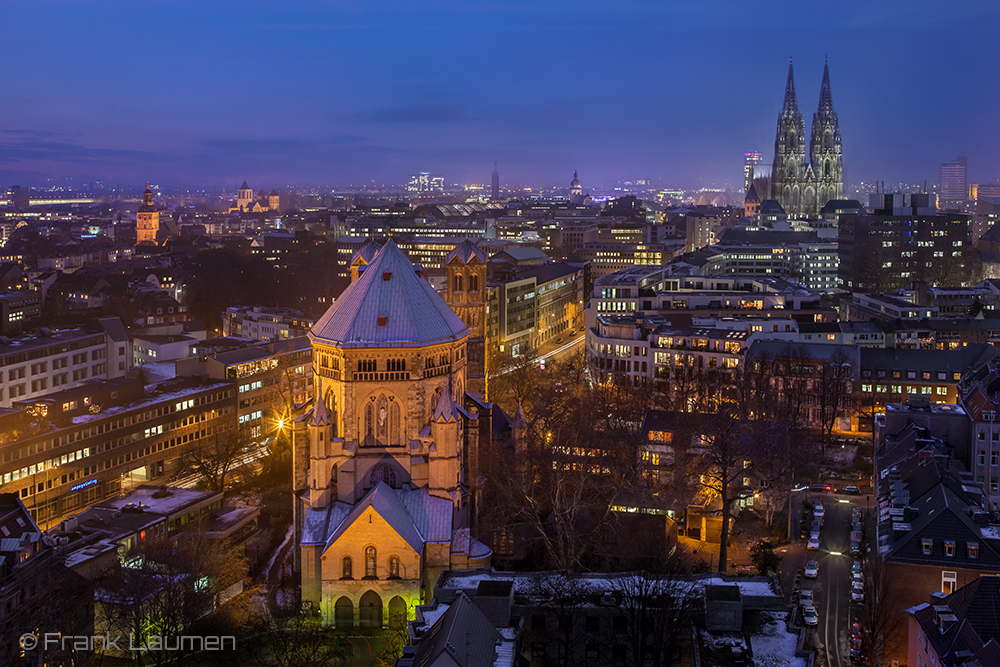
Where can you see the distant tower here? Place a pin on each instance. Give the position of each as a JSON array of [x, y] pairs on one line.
[[244, 197], [750, 161], [20, 197], [954, 180], [825, 152], [273, 200], [789, 150], [575, 189], [496, 184], [147, 220]]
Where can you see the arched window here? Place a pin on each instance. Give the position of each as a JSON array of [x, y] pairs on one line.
[[394, 567], [382, 432], [369, 424], [473, 283], [458, 283], [348, 568], [395, 438], [371, 567]]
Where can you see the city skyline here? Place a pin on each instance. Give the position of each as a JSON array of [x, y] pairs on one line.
[[344, 93]]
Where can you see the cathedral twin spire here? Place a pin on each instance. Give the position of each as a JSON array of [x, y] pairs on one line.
[[803, 188]]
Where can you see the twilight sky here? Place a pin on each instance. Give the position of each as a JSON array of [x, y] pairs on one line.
[[352, 91]]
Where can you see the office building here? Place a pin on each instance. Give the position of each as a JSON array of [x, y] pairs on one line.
[[750, 162], [495, 191], [954, 181]]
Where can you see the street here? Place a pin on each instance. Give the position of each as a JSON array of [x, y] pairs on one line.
[[832, 588]]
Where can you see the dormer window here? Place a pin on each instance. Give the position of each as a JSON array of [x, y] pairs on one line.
[[926, 544], [949, 548], [973, 550]]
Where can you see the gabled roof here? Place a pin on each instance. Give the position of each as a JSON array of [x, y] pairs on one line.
[[389, 305], [466, 251], [464, 633], [384, 501], [752, 196], [445, 410]]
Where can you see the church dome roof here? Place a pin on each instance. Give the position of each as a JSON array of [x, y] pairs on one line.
[[389, 305]]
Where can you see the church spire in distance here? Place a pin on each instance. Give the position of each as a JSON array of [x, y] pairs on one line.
[[790, 105], [825, 98]]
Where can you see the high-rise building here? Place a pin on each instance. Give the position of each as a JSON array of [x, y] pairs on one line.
[[954, 186], [147, 220], [803, 188], [20, 197], [495, 196], [425, 183], [750, 161]]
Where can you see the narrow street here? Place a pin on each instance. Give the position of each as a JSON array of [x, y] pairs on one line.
[[832, 587]]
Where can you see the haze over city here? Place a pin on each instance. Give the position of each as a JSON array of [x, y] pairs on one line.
[[341, 93]]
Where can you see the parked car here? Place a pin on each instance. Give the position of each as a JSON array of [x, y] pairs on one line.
[[857, 592], [822, 488], [856, 567], [806, 597], [856, 579], [818, 511], [851, 490], [812, 570], [855, 630], [810, 616], [813, 544]]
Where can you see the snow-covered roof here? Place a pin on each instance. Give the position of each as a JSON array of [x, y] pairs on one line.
[[388, 305]]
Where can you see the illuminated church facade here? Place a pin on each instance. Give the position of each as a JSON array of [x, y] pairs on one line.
[[389, 505]]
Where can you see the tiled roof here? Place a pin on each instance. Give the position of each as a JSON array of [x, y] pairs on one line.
[[389, 305]]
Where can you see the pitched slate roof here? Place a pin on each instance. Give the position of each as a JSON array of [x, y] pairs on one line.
[[464, 633], [465, 251], [976, 621], [389, 305], [383, 500], [414, 514], [445, 410]]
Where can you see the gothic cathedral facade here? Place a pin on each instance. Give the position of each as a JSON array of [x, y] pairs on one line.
[[803, 188]]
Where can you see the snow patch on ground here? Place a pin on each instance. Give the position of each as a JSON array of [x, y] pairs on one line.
[[773, 645]]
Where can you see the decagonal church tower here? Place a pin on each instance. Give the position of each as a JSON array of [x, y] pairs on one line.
[[389, 445], [803, 188]]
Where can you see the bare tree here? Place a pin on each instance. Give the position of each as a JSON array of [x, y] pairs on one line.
[[833, 392], [217, 455], [724, 463], [652, 610], [883, 627]]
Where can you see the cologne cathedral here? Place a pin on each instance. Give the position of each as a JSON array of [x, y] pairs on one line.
[[803, 188]]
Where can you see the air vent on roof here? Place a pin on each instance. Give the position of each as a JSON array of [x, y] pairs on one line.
[[45, 331], [5, 341], [386, 275]]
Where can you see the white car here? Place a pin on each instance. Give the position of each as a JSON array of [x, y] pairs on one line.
[[856, 567], [857, 592], [812, 570], [813, 544], [810, 616], [818, 511], [806, 598]]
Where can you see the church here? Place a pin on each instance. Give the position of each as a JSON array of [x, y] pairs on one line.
[[393, 443], [803, 188]]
